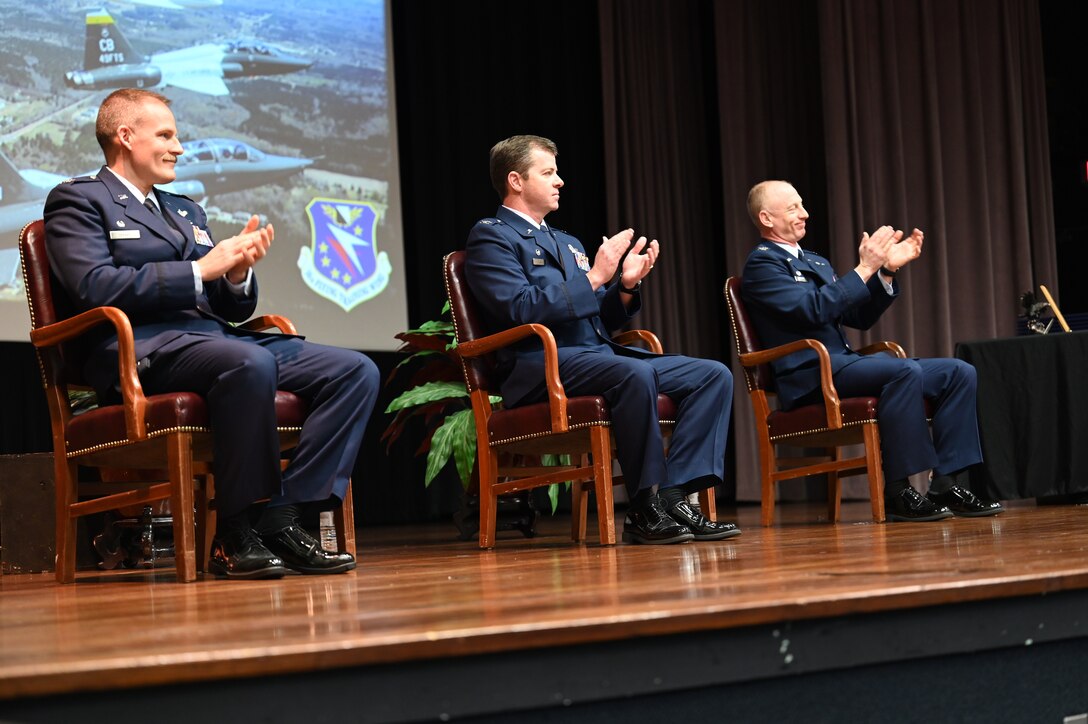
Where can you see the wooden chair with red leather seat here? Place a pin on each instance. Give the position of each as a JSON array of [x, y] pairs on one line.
[[831, 425], [575, 426], [137, 444]]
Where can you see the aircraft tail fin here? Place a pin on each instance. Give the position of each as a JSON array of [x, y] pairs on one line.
[[13, 187], [106, 45]]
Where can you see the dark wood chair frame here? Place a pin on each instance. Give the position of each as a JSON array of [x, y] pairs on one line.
[[831, 425], [145, 449], [575, 426]]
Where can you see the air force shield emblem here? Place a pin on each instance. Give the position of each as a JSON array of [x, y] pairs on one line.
[[342, 264]]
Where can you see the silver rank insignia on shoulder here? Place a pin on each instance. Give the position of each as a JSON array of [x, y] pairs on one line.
[[763, 247], [489, 222], [818, 263], [121, 223], [122, 197]]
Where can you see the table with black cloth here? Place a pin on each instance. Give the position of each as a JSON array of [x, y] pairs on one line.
[[1033, 415]]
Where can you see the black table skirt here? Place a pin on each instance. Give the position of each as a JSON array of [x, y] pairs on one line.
[[1033, 415]]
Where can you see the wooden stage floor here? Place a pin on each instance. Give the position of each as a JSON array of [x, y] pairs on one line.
[[419, 594]]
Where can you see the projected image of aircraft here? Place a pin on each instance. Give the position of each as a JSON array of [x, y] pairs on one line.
[[109, 62], [208, 166]]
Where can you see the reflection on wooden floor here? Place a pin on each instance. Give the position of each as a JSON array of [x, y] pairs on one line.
[[419, 594]]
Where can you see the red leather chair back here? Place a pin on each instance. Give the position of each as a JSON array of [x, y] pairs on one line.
[[467, 323], [48, 303], [744, 333]]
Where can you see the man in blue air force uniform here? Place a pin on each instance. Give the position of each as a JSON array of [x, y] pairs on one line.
[[521, 271], [793, 294], [113, 239]]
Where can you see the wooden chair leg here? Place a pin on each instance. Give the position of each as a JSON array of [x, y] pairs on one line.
[[766, 469], [875, 466], [601, 449], [708, 503], [65, 485], [489, 501], [834, 489], [179, 454], [579, 507], [344, 520], [205, 520]]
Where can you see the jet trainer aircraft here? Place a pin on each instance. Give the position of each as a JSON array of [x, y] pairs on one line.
[[109, 62], [208, 166]]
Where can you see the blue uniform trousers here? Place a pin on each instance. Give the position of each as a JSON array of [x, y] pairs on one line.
[[902, 385], [703, 391], [239, 376]]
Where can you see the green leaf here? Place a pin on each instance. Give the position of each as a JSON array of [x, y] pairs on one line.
[[553, 490], [464, 444], [456, 437], [429, 392], [435, 326]]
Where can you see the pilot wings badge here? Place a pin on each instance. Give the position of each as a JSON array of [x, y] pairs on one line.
[[342, 263]]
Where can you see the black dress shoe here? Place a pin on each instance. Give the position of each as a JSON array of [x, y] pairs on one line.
[[910, 506], [702, 528], [301, 552], [237, 552], [651, 525], [964, 503]]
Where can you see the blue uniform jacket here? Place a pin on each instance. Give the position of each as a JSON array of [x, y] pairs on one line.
[[520, 275], [790, 299], [107, 249]]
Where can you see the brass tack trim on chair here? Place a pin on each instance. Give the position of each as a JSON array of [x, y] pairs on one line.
[[453, 317], [776, 438], [30, 303], [158, 433], [736, 343], [579, 426], [546, 433]]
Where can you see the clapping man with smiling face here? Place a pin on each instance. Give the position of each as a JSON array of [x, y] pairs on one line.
[[793, 294], [114, 239], [523, 271]]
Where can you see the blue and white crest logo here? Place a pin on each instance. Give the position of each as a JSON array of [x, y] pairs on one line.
[[342, 264]]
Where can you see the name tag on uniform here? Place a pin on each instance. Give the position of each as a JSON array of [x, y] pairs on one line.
[[202, 237], [537, 261], [125, 234]]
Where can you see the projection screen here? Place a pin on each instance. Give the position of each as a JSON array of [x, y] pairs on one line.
[[284, 109]]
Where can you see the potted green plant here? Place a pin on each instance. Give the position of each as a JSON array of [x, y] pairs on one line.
[[435, 391]]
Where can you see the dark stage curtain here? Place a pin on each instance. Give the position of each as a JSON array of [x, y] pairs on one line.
[[661, 147], [935, 117], [912, 113]]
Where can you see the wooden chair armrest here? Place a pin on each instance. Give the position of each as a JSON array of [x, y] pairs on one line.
[[827, 386], [557, 396], [132, 392], [270, 321], [640, 335], [885, 346]]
